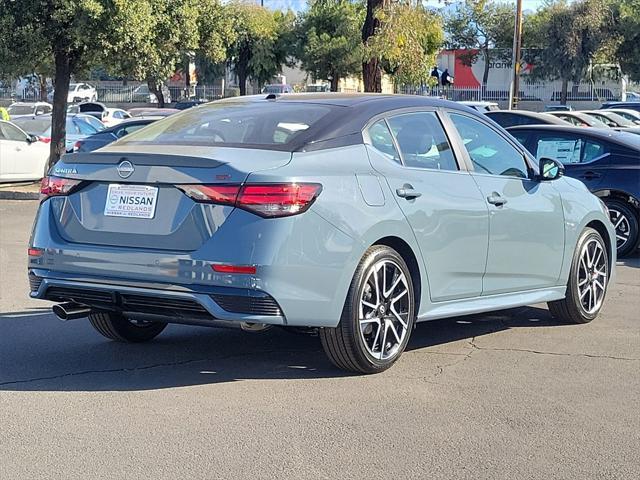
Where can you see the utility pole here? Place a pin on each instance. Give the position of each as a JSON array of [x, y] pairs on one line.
[[514, 89]]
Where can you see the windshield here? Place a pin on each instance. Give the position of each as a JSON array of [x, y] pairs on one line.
[[20, 109], [620, 120], [273, 89], [233, 123]]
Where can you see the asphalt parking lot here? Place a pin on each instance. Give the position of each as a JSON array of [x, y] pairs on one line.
[[512, 395]]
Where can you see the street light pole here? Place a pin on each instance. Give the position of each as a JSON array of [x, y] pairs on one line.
[[514, 89]]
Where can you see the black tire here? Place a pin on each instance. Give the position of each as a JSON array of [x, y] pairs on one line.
[[570, 309], [631, 216], [115, 326], [344, 344]]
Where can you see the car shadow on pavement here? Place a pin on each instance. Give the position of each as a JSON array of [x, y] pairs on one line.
[[39, 353]]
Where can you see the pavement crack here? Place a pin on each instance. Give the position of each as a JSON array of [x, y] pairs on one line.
[[557, 354]]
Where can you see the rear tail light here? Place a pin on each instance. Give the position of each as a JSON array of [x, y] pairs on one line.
[[77, 145], [35, 252], [45, 139], [241, 269], [56, 186], [268, 200]]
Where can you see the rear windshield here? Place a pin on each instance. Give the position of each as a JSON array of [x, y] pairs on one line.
[[34, 126], [20, 109], [227, 123]]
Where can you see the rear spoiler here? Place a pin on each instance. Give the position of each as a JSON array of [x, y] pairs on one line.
[[150, 159]]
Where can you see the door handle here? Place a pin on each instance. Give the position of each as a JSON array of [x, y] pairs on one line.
[[590, 175], [407, 192], [496, 199]]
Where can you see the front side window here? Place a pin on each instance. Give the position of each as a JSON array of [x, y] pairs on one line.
[[489, 151], [422, 141], [382, 140]]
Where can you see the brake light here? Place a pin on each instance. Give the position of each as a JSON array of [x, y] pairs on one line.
[[35, 252], [45, 139], [267, 200], [278, 200], [77, 145], [56, 186]]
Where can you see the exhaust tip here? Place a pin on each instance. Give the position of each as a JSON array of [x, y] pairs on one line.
[[70, 311]]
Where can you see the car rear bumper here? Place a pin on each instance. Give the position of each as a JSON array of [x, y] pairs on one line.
[[200, 305]]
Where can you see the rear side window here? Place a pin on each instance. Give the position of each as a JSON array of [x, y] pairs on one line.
[[422, 141], [382, 140], [240, 123]]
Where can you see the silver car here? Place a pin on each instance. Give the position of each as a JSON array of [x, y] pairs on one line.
[[353, 215]]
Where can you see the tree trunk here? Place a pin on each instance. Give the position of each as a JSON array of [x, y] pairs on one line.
[[242, 68], [335, 79], [187, 78], [43, 88], [485, 74], [563, 93], [157, 91], [59, 115], [371, 71]]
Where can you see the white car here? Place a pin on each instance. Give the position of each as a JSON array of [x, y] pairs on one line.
[[627, 113], [482, 106], [114, 116], [22, 156], [28, 109], [78, 92]]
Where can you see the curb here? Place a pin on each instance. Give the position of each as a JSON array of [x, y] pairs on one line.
[[11, 195]]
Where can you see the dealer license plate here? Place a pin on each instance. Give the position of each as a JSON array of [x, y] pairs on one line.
[[136, 201]]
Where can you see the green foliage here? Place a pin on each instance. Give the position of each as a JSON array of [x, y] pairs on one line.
[[567, 37], [628, 29], [329, 42], [258, 49], [484, 27]]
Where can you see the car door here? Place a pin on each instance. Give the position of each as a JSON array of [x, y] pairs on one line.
[[584, 158], [439, 199], [20, 158], [526, 220]]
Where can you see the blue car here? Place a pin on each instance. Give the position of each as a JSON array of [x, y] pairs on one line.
[[353, 215], [606, 161]]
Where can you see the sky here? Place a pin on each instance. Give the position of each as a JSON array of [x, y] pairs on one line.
[[297, 5]]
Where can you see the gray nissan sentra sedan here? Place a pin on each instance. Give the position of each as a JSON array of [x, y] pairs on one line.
[[356, 215]]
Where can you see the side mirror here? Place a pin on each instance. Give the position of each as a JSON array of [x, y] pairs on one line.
[[32, 139], [550, 169]]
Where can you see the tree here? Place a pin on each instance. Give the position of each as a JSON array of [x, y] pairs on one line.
[[484, 28], [628, 29], [371, 69], [406, 42], [257, 51], [329, 44], [66, 34], [567, 37]]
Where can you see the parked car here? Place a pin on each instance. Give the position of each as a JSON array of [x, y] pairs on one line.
[[277, 88], [558, 108], [606, 161], [142, 94], [612, 119], [356, 215], [635, 105], [108, 135], [78, 126], [632, 115], [28, 109], [22, 156], [510, 118], [78, 92], [184, 104], [151, 112], [580, 119], [482, 106], [110, 116], [318, 87]]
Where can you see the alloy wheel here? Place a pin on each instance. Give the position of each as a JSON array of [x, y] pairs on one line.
[[592, 276], [383, 313], [622, 227]]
